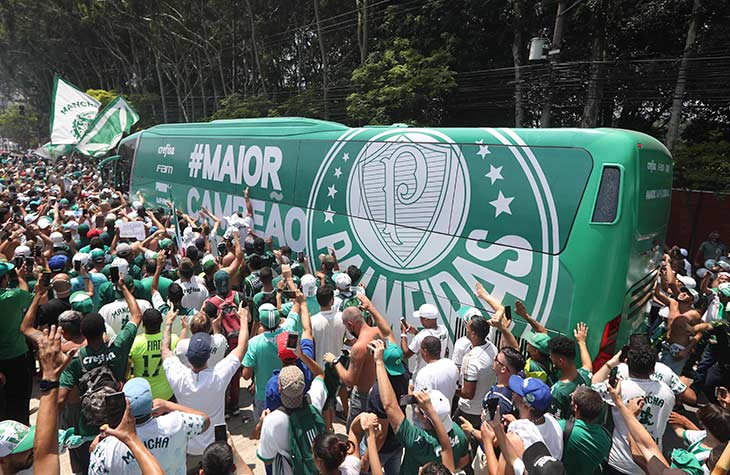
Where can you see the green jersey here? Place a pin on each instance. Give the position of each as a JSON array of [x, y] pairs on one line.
[[586, 449], [163, 285], [115, 356], [13, 303], [561, 391], [422, 446], [260, 299], [252, 285], [146, 356]]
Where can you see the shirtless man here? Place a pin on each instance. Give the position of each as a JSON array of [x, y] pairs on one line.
[[681, 337], [360, 375]]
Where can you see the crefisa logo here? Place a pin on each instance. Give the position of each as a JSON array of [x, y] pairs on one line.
[[424, 222], [166, 150]]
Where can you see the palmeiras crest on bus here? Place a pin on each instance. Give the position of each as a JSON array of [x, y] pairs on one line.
[[406, 199]]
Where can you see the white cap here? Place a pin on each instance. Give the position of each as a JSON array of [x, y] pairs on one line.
[[29, 218], [427, 311], [343, 281], [22, 251], [684, 252], [687, 281], [44, 222], [82, 257], [56, 237], [207, 258], [110, 217], [309, 285], [122, 264], [442, 406]]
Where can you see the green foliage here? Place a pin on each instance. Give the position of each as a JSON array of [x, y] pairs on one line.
[[402, 85], [703, 166], [103, 96], [236, 106], [20, 128]]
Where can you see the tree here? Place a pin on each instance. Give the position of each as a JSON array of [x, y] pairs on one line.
[[20, 125]]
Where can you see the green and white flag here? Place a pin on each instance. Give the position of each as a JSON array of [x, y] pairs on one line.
[[53, 151], [71, 113], [107, 129]]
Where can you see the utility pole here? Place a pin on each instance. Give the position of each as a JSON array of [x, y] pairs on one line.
[[553, 58]]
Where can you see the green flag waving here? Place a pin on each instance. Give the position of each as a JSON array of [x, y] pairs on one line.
[[104, 133]]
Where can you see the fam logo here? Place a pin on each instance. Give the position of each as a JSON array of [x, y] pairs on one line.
[[166, 150], [425, 214], [164, 169]]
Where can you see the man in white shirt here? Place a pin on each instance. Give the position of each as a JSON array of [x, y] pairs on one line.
[[477, 371], [166, 435], [116, 314], [532, 400], [428, 315], [438, 373], [200, 323], [274, 448], [193, 286], [202, 387], [327, 327], [658, 404]]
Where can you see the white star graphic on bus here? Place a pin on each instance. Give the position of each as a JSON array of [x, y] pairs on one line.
[[331, 191], [483, 149], [495, 173], [345, 156], [329, 215], [501, 204], [338, 172]]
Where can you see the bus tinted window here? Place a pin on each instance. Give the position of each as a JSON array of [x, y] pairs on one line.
[[607, 200]]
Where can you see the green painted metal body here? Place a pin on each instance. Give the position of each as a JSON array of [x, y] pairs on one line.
[[425, 213]]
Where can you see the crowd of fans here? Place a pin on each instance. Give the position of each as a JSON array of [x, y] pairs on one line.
[[139, 348]]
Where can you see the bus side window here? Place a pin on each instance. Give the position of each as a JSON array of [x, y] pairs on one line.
[[608, 198]]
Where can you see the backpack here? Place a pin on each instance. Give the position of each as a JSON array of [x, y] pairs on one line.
[[305, 424], [94, 386]]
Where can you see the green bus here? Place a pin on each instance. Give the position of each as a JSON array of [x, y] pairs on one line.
[[569, 221]]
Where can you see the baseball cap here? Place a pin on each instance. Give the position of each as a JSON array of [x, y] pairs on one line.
[[723, 288], [15, 437], [465, 312], [121, 264], [269, 316], [56, 237], [688, 282], [97, 255], [427, 311], [165, 243], [61, 285], [5, 267], [139, 393], [710, 263], [442, 407], [539, 341], [309, 285], [291, 386], [69, 316], [533, 391], [57, 263], [199, 349], [93, 233], [82, 257], [393, 359], [44, 222], [124, 250], [208, 263], [22, 251], [285, 355], [81, 302], [343, 281], [538, 461]]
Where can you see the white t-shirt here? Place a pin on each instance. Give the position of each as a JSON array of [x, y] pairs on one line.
[[165, 436], [439, 332], [274, 440], [441, 374], [477, 367], [461, 348], [662, 373], [552, 435], [659, 402], [218, 347], [204, 391], [329, 332], [527, 431], [194, 292], [350, 466], [116, 314]]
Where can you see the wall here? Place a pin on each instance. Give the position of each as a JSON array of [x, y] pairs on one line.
[[694, 214]]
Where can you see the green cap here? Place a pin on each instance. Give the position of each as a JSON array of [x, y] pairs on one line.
[[165, 243], [269, 316], [539, 341], [393, 359], [5, 267], [97, 255], [724, 289], [465, 312], [81, 302], [15, 438]]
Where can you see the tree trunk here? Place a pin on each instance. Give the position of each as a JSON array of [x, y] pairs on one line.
[[255, 48], [162, 88], [517, 58], [324, 59], [594, 94], [362, 29], [690, 47]]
